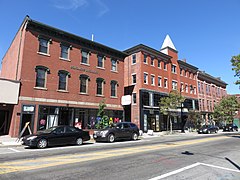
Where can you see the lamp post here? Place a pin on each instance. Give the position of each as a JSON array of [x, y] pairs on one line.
[[182, 89]]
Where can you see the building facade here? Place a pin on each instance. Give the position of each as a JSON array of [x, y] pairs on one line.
[[210, 92], [150, 75], [63, 78]]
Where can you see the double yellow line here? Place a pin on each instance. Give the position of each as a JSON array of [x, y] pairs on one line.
[[32, 164]]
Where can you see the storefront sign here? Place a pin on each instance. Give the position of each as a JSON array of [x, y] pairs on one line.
[[84, 70], [126, 100], [28, 108]]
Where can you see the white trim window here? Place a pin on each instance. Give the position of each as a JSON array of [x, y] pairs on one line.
[[145, 59], [165, 83], [145, 78], [152, 79], [84, 57], [174, 85], [134, 59], [174, 69], [159, 64], [134, 78], [113, 65], [159, 81]]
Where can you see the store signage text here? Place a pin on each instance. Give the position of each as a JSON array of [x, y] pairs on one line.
[[84, 70]]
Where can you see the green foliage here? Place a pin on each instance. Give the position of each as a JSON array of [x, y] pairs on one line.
[[236, 67], [225, 110], [104, 122], [194, 119]]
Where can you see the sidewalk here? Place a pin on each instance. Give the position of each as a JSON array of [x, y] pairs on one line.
[[6, 140]]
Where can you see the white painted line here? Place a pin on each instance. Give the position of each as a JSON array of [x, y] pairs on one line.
[[176, 171], [15, 150], [219, 167]]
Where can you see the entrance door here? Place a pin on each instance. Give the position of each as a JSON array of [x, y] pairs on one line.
[[152, 123], [27, 118], [3, 122]]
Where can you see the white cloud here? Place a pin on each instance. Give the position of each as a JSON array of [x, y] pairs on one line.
[[69, 4], [103, 7]]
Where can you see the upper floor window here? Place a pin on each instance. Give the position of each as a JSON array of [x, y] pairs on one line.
[[182, 87], [165, 83], [41, 74], [65, 51], [100, 61], [63, 76], [152, 80], [134, 59], [100, 82], [181, 71], [186, 88], [145, 59], [159, 64], [159, 81], [174, 69], [44, 45], [152, 61], [85, 57], [134, 98], [134, 79], [113, 88], [84, 83], [164, 65], [174, 85], [145, 78], [113, 64]]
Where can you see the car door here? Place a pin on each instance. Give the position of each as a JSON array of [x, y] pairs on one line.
[[119, 131], [57, 137], [71, 134], [126, 131]]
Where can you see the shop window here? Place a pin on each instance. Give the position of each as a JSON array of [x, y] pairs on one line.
[[84, 83], [113, 88], [100, 83], [63, 79], [145, 99], [41, 74]]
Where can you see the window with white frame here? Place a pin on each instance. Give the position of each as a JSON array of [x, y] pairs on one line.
[[186, 88], [182, 87], [113, 64], [100, 83], [152, 61], [85, 57], [134, 79], [84, 83], [100, 62], [159, 81], [63, 79], [44, 45], [174, 85], [41, 76], [174, 69], [165, 83], [152, 80], [113, 88], [145, 78], [134, 98], [145, 59], [165, 66], [159, 64], [134, 59]]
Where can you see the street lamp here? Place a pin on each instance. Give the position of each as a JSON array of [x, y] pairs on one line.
[[182, 89]]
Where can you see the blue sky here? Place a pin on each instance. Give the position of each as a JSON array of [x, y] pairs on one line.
[[205, 32]]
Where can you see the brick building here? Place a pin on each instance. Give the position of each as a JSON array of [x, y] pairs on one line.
[[151, 74], [210, 91], [63, 78]]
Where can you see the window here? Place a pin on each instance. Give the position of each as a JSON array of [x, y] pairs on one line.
[[134, 59], [145, 59], [43, 45], [181, 71], [152, 61], [152, 80], [174, 85], [100, 82], [165, 66], [174, 69], [134, 80], [113, 88], [41, 73], [134, 97], [159, 82], [62, 83], [145, 78], [165, 83], [186, 88], [182, 87], [113, 65], [85, 59], [84, 83], [64, 51], [100, 61], [159, 64]]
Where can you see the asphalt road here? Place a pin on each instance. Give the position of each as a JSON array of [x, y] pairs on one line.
[[169, 157]]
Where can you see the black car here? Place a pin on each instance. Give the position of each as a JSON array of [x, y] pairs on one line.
[[121, 130], [57, 135], [207, 129], [230, 127]]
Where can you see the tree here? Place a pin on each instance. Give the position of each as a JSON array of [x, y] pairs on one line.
[[226, 109], [236, 67], [169, 104], [103, 119], [194, 120]]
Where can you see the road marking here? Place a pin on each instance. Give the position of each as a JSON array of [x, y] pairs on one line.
[[15, 150], [30, 164], [189, 167]]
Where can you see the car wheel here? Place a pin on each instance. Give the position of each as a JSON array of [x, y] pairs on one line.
[[79, 141], [42, 143], [208, 131], [111, 138], [216, 131], [134, 136]]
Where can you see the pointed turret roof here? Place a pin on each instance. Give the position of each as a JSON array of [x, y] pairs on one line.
[[167, 43]]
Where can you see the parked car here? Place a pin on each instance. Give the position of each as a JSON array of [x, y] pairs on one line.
[[122, 130], [230, 127], [57, 135], [207, 129]]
